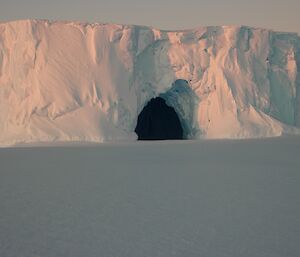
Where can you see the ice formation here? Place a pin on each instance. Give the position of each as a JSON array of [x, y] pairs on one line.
[[70, 81]]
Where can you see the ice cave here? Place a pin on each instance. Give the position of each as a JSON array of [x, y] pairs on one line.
[[169, 115], [158, 121]]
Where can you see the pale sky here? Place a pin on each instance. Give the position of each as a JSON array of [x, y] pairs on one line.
[[280, 15]]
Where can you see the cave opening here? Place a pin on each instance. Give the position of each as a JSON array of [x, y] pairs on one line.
[[158, 121]]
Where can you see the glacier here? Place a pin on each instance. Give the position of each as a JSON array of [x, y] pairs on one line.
[[74, 81]]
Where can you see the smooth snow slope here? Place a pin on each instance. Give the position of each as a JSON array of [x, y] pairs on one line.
[[178, 199], [88, 82]]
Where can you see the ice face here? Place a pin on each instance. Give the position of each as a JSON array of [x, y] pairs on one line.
[[182, 98], [69, 81]]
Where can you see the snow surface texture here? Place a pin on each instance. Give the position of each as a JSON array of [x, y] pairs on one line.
[[152, 199], [68, 81]]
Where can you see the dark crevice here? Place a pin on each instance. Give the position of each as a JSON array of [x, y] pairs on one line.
[[158, 121]]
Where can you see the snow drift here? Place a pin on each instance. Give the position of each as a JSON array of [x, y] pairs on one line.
[[88, 82]]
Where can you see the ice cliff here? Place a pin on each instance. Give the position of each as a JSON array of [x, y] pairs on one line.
[[71, 81]]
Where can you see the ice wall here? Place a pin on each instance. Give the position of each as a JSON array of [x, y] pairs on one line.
[[88, 82]]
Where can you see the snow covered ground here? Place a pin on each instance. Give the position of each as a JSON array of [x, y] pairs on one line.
[[216, 198]]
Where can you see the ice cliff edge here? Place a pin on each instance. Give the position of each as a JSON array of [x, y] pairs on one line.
[[69, 81]]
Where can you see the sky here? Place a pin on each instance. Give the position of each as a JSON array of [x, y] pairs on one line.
[[279, 15]]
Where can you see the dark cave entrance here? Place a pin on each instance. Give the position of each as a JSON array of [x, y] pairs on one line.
[[158, 121]]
